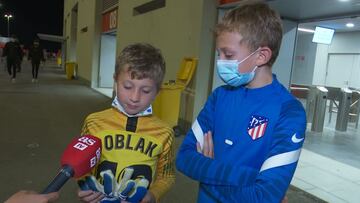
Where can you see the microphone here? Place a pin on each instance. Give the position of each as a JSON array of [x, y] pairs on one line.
[[79, 157]]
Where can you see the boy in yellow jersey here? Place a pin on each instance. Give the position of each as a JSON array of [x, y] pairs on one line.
[[131, 136]]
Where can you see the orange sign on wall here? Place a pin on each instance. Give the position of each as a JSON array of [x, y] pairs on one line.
[[109, 20]]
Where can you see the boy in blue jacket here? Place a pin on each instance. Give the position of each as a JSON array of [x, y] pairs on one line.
[[246, 141]]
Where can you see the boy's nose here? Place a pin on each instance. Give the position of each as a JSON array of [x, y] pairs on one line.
[[135, 96]]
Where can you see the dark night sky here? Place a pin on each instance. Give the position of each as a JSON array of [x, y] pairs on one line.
[[32, 17]]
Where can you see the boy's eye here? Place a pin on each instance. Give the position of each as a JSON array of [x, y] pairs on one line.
[[146, 91], [228, 56], [127, 87]]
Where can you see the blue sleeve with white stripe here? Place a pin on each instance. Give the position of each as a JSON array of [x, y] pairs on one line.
[[236, 183], [199, 167], [194, 164], [274, 177]]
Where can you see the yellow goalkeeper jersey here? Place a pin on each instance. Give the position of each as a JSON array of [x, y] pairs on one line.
[[144, 143]]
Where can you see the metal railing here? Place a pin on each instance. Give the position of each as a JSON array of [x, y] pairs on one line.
[[344, 102], [317, 124]]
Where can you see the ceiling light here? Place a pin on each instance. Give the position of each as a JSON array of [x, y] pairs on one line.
[[344, 0], [350, 25], [306, 30]]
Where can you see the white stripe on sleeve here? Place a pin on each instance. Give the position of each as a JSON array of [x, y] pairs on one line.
[[199, 135], [281, 160]]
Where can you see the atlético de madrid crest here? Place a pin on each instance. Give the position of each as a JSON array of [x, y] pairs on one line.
[[257, 126]]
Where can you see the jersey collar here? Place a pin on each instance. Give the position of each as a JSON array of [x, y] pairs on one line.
[[116, 104]]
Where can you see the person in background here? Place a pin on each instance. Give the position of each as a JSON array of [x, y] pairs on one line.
[[36, 55], [32, 197], [245, 144], [2, 61], [13, 53]]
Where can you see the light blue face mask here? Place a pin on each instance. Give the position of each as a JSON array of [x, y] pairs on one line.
[[228, 72], [118, 106]]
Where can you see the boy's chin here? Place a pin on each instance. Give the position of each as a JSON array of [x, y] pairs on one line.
[[132, 111]]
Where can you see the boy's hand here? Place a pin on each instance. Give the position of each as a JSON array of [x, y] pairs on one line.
[[149, 198], [30, 196], [111, 191], [127, 190], [208, 149], [90, 196]]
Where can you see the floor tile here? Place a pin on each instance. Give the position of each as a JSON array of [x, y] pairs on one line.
[[326, 196], [349, 191], [336, 168], [302, 184], [319, 178]]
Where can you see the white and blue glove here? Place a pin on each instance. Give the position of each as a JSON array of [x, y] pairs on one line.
[[128, 189]]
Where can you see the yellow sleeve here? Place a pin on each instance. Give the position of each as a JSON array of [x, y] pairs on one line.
[[165, 173], [85, 129]]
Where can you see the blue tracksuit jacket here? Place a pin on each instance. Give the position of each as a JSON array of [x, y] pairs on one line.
[[257, 134]]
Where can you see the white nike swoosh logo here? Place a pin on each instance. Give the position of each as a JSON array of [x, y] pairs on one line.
[[294, 139]]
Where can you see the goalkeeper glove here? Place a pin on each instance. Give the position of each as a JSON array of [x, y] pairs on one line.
[[128, 190]]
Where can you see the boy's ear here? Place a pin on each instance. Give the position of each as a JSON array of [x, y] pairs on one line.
[[264, 56]]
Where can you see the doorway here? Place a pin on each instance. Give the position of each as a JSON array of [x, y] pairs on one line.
[[341, 70], [107, 60]]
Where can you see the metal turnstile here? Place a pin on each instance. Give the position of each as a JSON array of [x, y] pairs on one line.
[[319, 109], [342, 118], [357, 105], [310, 103]]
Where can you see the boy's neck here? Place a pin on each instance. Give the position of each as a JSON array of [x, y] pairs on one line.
[[263, 77]]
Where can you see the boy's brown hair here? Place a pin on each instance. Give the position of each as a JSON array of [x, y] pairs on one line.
[[141, 60], [257, 23]]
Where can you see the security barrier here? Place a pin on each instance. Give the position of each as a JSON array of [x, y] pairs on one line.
[[303, 92], [310, 103], [344, 110], [356, 105], [319, 110]]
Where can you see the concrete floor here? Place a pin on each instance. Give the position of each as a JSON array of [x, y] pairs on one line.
[[38, 120], [329, 165]]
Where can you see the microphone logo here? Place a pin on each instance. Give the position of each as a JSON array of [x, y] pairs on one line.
[[80, 146], [96, 158], [83, 143], [87, 140]]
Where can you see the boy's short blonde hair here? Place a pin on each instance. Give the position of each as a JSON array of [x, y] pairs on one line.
[[257, 23], [142, 61]]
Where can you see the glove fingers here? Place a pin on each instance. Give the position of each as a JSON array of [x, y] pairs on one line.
[[143, 183], [93, 184], [127, 176], [126, 189], [139, 191], [110, 200], [108, 182], [128, 173], [83, 186], [138, 195]]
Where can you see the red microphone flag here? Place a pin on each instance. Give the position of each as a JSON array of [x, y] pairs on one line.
[[82, 154]]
